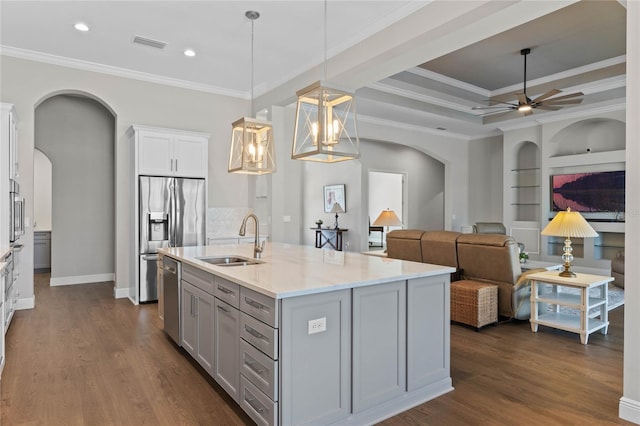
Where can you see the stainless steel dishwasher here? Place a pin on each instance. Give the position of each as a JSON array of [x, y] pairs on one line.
[[171, 276]]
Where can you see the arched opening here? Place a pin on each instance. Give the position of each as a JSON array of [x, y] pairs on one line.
[[77, 134]]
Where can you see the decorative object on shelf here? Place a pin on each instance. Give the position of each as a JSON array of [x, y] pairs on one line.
[[569, 224], [325, 128], [524, 256], [336, 209], [334, 194], [319, 223], [252, 146], [387, 218]]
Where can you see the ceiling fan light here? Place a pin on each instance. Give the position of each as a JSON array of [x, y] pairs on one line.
[[524, 108]]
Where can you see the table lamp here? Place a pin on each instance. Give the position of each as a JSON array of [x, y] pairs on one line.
[[568, 224], [337, 208], [387, 218]]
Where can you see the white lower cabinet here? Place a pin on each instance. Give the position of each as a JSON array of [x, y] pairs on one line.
[[198, 325], [227, 347], [2, 348]]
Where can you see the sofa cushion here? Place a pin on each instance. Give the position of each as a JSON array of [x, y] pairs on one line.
[[493, 258], [439, 248], [405, 244]]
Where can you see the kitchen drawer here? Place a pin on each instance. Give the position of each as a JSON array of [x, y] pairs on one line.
[[259, 306], [259, 334], [199, 278], [228, 292], [259, 369], [257, 405]]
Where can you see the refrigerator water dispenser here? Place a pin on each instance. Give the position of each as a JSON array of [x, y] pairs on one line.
[[158, 226]]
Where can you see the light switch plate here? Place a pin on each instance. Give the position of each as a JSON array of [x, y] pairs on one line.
[[317, 325]]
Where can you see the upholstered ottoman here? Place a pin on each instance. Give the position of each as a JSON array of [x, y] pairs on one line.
[[474, 303]]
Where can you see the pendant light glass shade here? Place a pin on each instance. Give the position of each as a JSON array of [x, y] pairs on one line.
[[252, 148], [325, 127]]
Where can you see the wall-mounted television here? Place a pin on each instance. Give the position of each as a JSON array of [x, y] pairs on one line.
[[588, 192]]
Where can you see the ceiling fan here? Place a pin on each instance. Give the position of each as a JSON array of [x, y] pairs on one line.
[[526, 105]]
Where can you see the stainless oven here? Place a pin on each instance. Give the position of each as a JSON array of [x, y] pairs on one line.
[[16, 212]]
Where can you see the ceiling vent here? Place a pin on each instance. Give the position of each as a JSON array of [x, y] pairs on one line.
[[149, 42]]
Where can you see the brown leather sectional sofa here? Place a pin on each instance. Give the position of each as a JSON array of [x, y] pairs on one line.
[[490, 258]]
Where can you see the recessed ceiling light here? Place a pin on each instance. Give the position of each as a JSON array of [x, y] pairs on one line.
[[81, 26], [190, 53]]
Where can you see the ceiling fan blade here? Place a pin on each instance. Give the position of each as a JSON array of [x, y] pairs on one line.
[[547, 108], [546, 95], [565, 102], [522, 99], [501, 102], [571, 95], [493, 107]]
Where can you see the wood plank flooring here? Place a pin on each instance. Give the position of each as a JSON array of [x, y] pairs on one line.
[[84, 358]]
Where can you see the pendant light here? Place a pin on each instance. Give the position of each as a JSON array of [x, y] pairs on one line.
[[325, 128], [252, 145]]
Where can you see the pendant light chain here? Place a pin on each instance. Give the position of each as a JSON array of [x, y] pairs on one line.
[[252, 21], [325, 40]]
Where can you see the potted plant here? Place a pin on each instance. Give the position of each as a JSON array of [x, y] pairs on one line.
[[524, 256], [319, 223]]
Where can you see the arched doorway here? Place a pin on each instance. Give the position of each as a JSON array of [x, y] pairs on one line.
[[76, 133]]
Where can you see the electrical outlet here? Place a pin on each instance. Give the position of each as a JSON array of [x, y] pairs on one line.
[[287, 219], [317, 325]]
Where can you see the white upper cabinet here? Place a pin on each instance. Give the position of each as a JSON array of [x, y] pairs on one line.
[[9, 138], [166, 152]]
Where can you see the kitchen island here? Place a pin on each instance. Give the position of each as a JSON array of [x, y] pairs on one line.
[[312, 336]]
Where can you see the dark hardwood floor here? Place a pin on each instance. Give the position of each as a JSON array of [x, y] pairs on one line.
[[84, 358]]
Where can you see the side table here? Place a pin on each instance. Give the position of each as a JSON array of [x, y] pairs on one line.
[[331, 236], [581, 324]]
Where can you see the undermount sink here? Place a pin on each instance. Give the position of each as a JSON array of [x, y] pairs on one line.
[[230, 261]]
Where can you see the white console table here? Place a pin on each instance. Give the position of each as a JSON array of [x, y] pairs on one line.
[[581, 324]]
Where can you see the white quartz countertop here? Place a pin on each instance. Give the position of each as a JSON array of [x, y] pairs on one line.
[[293, 270], [4, 251]]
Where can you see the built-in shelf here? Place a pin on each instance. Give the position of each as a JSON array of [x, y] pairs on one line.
[[526, 186], [525, 204]]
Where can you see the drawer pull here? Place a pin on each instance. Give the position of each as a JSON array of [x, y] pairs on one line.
[[251, 401], [255, 333], [224, 309], [251, 365], [255, 304], [225, 290]]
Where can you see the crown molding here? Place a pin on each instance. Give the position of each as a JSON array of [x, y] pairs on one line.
[[617, 106], [118, 72], [387, 88], [421, 129], [450, 81]]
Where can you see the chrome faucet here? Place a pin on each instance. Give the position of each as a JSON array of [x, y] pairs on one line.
[[257, 248]]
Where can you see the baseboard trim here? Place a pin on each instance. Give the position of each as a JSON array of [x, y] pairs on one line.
[[629, 410], [120, 293], [27, 303], [81, 279]]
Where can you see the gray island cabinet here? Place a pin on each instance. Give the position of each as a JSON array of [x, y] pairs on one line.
[[315, 336]]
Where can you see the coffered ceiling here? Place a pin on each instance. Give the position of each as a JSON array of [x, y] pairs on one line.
[[579, 47]]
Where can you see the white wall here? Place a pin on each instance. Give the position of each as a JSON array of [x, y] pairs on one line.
[[42, 175], [77, 135], [486, 188], [27, 83]]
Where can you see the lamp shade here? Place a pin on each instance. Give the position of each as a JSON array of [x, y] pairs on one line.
[[252, 147], [325, 127], [569, 224], [337, 208], [387, 218]]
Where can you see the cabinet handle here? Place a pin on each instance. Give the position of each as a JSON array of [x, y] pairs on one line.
[[254, 333], [176, 164], [250, 401], [224, 290], [255, 304], [192, 308], [251, 364], [224, 309]]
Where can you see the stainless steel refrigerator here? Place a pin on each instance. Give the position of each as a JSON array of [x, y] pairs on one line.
[[172, 214]]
